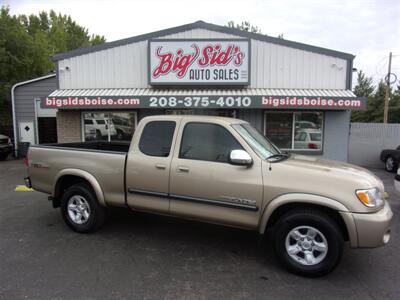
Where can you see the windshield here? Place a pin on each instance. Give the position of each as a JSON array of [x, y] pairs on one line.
[[259, 143]]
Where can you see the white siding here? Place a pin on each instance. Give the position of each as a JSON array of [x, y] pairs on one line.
[[199, 34], [272, 66]]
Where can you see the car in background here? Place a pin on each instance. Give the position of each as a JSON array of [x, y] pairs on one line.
[[391, 159], [5, 147], [308, 139], [98, 128], [397, 180], [123, 127], [305, 125]]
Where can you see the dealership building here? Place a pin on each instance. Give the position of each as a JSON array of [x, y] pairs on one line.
[[297, 95]]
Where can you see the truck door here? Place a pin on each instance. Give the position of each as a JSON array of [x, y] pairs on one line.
[[204, 185], [148, 165]]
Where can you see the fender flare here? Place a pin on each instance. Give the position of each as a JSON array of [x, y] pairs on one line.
[[310, 199], [85, 175]]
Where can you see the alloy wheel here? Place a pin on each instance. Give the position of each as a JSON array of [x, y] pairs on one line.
[[306, 245]]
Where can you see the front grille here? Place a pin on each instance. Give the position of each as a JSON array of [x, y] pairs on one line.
[[3, 141]]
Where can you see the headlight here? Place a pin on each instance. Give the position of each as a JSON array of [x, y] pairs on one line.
[[371, 197]]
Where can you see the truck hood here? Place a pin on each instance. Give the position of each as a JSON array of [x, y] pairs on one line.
[[337, 169], [315, 176]]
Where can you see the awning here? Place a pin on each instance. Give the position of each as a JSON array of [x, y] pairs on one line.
[[321, 99]]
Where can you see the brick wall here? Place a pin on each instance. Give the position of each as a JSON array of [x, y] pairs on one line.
[[69, 126]]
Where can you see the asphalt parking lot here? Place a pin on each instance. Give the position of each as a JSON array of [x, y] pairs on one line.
[[140, 256]]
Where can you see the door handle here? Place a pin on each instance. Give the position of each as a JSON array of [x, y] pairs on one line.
[[183, 169], [160, 166]]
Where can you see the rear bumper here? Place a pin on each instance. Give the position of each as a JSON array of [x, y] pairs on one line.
[[373, 230]]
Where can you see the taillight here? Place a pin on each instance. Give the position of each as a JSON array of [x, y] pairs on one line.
[[27, 161], [312, 146]]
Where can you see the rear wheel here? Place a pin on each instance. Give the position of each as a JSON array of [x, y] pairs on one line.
[[390, 164], [308, 242], [3, 156], [81, 210]]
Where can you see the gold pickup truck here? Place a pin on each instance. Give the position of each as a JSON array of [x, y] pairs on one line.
[[219, 170]]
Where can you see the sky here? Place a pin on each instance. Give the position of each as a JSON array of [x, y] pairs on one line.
[[368, 29]]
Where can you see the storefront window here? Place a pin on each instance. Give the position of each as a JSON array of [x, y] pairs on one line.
[[107, 126], [308, 131], [295, 131], [279, 129], [124, 125]]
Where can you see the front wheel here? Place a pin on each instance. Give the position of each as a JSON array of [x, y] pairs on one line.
[[390, 164], [81, 210], [308, 242]]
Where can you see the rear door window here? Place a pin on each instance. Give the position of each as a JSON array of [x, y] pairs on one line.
[[156, 138]]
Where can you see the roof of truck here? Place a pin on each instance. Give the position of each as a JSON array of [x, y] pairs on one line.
[[197, 118]]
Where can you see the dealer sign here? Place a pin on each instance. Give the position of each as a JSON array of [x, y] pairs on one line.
[[199, 62]]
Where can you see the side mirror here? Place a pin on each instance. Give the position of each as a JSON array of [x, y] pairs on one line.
[[240, 158]]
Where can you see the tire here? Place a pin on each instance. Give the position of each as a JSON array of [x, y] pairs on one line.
[[99, 136], [310, 222], [81, 199], [390, 164], [3, 156], [120, 135]]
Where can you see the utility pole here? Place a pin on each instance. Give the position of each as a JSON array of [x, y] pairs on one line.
[[387, 94]]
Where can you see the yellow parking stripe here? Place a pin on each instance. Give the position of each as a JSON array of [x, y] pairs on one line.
[[23, 188], [387, 196]]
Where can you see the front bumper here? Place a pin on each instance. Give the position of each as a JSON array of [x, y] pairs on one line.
[[397, 181], [373, 230]]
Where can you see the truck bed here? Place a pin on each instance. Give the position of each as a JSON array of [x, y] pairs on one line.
[[92, 146], [105, 161]]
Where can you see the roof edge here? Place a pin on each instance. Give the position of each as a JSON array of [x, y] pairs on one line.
[[32, 80], [277, 41], [122, 42], [207, 26]]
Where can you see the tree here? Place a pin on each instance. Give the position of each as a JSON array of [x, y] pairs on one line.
[[28, 42], [245, 26], [375, 102], [364, 86]]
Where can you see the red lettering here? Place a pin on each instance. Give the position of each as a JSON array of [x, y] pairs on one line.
[[210, 55], [205, 60], [178, 63], [225, 56], [165, 63]]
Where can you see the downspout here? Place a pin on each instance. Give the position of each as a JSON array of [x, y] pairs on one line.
[[14, 119]]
